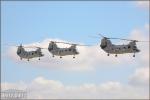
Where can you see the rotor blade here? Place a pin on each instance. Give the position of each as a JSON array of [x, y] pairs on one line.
[[101, 35], [82, 45], [116, 38], [11, 45], [65, 43], [119, 38], [34, 47], [40, 47], [122, 39], [59, 42], [143, 41], [129, 40], [70, 43]]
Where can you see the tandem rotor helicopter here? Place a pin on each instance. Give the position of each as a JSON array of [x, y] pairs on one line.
[[110, 48], [22, 53], [55, 50]]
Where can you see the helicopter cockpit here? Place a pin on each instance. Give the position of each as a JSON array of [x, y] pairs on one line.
[[52, 46], [20, 49]]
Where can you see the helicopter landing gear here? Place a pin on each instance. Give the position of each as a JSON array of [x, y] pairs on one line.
[[116, 55], [108, 54], [134, 55], [74, 56]]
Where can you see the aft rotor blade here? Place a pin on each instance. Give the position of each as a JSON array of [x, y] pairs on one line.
[[129, 40], [143, 41]]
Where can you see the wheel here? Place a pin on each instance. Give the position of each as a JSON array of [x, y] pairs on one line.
[[53, 56], [28, 59], [133, 55], [60, 57], [39, 58], [116, 55], [108, 54], [73, 57], [20, 58]]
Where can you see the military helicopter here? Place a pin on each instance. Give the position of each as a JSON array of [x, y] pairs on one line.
[[110, 48], [55, 50], [22, 53]]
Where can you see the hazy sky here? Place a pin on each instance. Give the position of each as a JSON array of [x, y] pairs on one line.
[[29, 22]]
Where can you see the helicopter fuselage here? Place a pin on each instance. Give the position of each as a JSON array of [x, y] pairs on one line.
[[28, 54], [110, 48], [62, 51], [121, 49]]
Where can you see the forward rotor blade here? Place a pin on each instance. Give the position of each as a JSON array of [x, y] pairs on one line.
[[6, 44], [65, 43], [129, 40], [70, 43], [82, 45], [122, 39], [101, 35], [116, 38]]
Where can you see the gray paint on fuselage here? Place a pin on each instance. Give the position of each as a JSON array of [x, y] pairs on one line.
[[52, 48], [64, 51], [108, 47], [28, 54]]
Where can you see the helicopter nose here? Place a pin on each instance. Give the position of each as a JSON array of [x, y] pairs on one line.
[[137, 50]]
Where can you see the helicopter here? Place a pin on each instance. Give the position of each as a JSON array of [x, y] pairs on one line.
[[110, 48], [55, 50], [22, 53]]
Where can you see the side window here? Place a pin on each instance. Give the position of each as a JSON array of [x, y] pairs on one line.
[[134, 47], [129, 47], [74, 50]]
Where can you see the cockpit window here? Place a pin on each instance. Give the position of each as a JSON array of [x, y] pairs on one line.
[[134, 47], [50, 48], [103, 45], [129, 47], [19, 51]]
